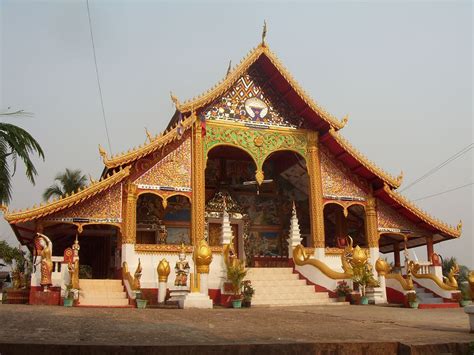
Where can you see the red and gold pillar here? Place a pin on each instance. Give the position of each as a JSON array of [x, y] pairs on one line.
[[315, 190], [429, 247], [371, 226], [130, 235], [198, 185]]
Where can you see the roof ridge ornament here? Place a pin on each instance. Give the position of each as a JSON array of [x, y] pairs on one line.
[[264, 33], [229, 68], [399, 178], [344, 121], [102, 152], [148, 134], [174, 99]]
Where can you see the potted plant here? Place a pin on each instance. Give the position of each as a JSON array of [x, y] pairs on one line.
[[140, 301], [413, 300], [69, 296], [342, 291], [236, 274], [248, 292]]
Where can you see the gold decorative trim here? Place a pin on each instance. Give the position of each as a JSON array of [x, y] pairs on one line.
[[436, 280], [407, 284], [300, 258], [222, 86], [424, 216], [139, 152], [169, 248], [68, 201], [394, 182]]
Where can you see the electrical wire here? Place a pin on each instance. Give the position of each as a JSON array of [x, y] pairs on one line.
[[444, 192], [98, 78], [435, 169]]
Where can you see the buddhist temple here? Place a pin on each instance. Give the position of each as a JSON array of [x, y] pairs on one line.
[[253, 164]]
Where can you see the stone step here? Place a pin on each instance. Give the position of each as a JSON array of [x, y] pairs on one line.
[[277, 289], [110, 302], [108, 294], [282, 287], [279, 283], [291, 297]]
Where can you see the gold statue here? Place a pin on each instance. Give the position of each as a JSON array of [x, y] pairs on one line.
[[163, 270], [203, 257], [230, 257], [44, 249], [451, 279], [471, 283], [73, 269], [181, 268], [136, 276]]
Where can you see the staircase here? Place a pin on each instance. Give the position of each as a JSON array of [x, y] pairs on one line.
[[428, 299], [281, 287], [105, 293]]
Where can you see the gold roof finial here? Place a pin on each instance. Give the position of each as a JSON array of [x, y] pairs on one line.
[[148, 134], [4, 208], [102, 152], [345, 119], [174, 99], [92, 181], [264, 32], [399, 178], [459, 227], [229, 68]]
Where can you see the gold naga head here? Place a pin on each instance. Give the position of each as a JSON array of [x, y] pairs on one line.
[[203, 257], [163, 270], [382, 267], [359, 256]]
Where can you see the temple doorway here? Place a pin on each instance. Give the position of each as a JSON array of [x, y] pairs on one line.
[[98, 247], [262, 234], [340, 222]]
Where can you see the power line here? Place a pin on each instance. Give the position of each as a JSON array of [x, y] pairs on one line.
[[435, 169], [98, 79], [444, 192]]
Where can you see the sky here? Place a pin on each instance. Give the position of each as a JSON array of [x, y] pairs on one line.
[[401, 70]]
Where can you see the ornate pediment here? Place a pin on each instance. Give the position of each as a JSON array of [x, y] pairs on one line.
[[250, 100]]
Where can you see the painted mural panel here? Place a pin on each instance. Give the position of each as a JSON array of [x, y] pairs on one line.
[[337, 180]]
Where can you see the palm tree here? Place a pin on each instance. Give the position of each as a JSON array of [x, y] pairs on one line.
[[70, 181], [15, 143]]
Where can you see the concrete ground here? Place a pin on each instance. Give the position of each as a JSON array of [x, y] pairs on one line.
[[289, 330]]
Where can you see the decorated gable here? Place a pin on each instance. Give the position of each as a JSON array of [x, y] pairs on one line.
[[105, 207], [337, 180], [172, 171], [251, 100], [390, 220]]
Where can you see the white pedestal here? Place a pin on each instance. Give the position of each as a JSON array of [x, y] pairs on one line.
[[470, 312], [195, 300], [204, 283], [161, 291]]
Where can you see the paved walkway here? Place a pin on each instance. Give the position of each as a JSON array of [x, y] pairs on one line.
[[331, 330]]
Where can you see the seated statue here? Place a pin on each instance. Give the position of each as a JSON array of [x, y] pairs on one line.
[[181, 269]]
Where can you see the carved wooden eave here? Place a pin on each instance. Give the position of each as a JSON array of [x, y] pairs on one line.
[[397, 200], [154, 144], [392, 181], [262, 50], [62, 203]]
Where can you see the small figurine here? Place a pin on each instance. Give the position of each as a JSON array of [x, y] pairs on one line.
[[162, 234], [181, 269]]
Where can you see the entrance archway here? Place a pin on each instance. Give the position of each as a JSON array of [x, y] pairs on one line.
[[340, 222]]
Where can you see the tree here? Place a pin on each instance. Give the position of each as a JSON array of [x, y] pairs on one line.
[[69, 182], [15, 143]]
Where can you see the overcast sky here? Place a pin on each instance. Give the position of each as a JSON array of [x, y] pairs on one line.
[[402, 71]]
